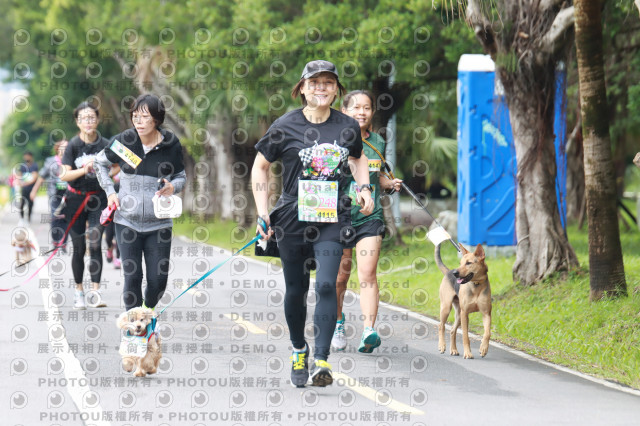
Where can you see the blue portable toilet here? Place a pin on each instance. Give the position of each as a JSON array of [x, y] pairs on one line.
[[560, 130], [486, 156]]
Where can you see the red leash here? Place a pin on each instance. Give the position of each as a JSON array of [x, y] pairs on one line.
[[73, 220]]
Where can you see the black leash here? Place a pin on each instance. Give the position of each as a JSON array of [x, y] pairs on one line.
[[390, 175]]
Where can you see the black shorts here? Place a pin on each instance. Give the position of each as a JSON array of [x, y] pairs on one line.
[[295, 247], [370, 228]]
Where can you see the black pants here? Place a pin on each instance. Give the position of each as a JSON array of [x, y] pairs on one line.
[[296, 263], [26, 199], [90, 215], [109, 234], [156, 247], [58, 225]]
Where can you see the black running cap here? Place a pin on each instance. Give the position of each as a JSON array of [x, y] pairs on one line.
[[315, 67]]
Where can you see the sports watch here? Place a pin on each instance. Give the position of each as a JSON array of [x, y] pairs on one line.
[[366, 186]]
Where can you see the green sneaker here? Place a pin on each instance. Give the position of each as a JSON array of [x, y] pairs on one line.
[[370, 341], [321, 375], [144, 305], [300, 368]]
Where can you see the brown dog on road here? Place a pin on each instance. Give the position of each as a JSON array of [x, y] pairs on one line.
[[467, 290]]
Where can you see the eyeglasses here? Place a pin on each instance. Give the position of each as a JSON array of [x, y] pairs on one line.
[[87, 118], [141, 118], [326, 84]]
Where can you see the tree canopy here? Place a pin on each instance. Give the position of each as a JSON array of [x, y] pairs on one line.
[[228, 66]]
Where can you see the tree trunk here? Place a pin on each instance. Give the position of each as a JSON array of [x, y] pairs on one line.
[[606, 269], [532, 37], [220, 157], [542, 247]]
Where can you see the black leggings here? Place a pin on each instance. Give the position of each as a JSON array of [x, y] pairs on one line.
[[109, 234], [91, 215], [26, 199], [156, 247], [296, 261], [58, 225]]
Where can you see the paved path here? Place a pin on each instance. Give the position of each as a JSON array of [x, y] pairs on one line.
[[226, 360]]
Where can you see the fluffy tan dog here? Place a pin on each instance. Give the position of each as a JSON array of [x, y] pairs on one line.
[[137, 348], [22, 245]]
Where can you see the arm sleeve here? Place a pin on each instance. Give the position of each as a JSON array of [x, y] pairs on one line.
[[101, 167], [46, 169], [272, 143], [178, 181], [69, 156]]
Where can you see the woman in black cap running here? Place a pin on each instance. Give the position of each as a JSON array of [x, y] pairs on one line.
[[320, 149]]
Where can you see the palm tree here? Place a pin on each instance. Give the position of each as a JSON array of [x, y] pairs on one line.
[[606, 269]]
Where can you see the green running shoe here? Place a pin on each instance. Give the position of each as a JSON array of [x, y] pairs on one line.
[[370, 341]]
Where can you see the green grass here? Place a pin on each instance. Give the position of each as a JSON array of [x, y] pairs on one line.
[[4, 195], [221, 233], [553, 320]]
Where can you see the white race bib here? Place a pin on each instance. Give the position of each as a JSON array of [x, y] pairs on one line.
[[375, 165], [126, 154], [318, 201]]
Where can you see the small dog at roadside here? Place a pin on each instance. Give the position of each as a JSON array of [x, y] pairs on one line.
[[467, 290], [140, 346], [22, 246]]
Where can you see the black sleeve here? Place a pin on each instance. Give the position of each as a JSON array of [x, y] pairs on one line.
[[352, 139], [69, 156], [272, 143], [179, 158]]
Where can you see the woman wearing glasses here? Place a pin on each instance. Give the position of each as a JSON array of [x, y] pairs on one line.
[[85, 200], [149, 156]]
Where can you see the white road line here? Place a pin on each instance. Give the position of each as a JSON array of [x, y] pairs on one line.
[[373, 395], [521, 354], [251, 327], [73, 371]]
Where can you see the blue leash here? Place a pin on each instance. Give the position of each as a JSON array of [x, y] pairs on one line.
[[261, 222]]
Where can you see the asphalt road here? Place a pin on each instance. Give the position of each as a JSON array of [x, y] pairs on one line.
[[226, 359]]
